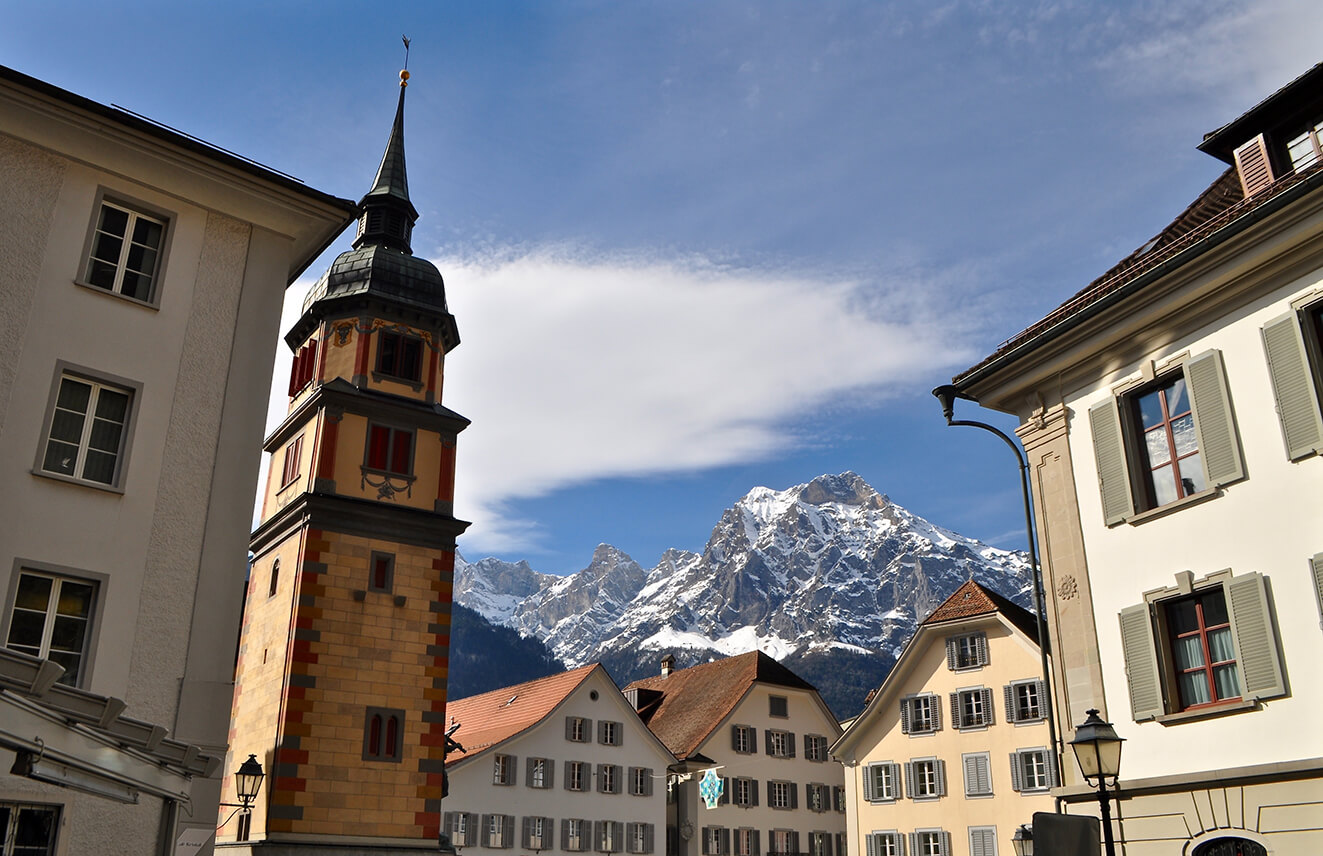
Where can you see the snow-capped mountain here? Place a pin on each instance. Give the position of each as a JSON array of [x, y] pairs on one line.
[[831, 564]]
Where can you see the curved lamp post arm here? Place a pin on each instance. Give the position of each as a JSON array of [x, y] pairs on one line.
[[947, 395]]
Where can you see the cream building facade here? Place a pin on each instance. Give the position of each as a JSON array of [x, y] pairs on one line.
[[1171, 416], [953, 752], [558, 765], [766, 734], [144, 275]]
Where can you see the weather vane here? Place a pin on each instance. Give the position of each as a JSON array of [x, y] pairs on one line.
[[406, 52]]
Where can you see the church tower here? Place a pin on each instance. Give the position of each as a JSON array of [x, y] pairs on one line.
[[340, 688]]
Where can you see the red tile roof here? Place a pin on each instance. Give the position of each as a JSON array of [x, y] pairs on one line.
[[695, 700], [496, 716], [972, 599]]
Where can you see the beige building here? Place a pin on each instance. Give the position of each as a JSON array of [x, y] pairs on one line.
[[562, 764], [765, 733], [144, 275], [953, 752], [1171, 416]]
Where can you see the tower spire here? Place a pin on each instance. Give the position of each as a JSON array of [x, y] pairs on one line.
[[386, 213]]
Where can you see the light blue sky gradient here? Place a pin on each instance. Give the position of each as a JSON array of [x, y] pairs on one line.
[[694, 247]]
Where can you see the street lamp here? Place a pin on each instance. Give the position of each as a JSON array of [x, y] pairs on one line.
[[248, 781], [947, 394], [1023, 841], [1098, 751]]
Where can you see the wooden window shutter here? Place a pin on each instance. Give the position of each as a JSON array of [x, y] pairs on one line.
[[904, 716], [873, 843], [790, 743], [725, 841], [1256, 644], [914, 843], [951, 654], [1253, 165], [1109, 453], [1053, 778], [1141, 663], [957, 712], [1008, 695], [648, 838], [989, 712], [735, 738], [793, 788], [940, 770], [909, 778], [868, 781], [507, 830], [937, 713], [895, 782], [1293, 386], [565, 834], [981, 646], [1219, 445], [528, 833], [767, 740], [946, 843], [1316, 566]]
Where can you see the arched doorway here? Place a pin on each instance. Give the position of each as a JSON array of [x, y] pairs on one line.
[[1230, 847]]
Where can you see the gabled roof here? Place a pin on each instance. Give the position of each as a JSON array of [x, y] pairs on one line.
[[696, 700], [496, 716], [972, 599]]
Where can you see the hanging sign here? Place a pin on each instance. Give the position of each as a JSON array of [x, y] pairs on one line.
[[710, 788]]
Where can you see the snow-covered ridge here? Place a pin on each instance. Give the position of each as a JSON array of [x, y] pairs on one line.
[[827, 564]]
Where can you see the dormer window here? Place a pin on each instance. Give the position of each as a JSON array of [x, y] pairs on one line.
[[1305, 150]]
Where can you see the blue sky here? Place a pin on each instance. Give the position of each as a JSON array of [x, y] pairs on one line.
[[694, 247]]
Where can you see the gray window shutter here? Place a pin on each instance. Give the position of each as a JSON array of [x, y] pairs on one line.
[[909, 778], [957, 713], [569, 728], [647, 781], [914, 842], [448, 823], [989, 712], [1109, 453], [648, 842], [565, 835], [1141, 663], [790, 743], [1041, 687], [549, 774], [985, 774], [937, 713], [725, 841], [1293, 386], [528, 832], [568, 774], [978, 845], [1219, 445], [981, 646], [767, 740], [753, 791], [735, 737], [528, 777], [971, 775], [1017, 773], [873, 843], [794, 841], [601, 731], [1053, 777], [793, 787], [868, 782], [599, 835], [753, 740], [601, 778], [940, 766], [946, 843], [753, 843], [904, 716], [1316, 565], [706, 846], [725, 791], [895, 782], [1008, 692], [900, 844], [507, 830], [1256, 644], [951, 654]]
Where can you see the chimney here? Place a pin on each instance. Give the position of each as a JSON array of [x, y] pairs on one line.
[[668, 664]]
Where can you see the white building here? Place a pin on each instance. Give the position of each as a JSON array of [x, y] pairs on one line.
[[143, 278], [1171, 416], [562, 764], [766, 733]]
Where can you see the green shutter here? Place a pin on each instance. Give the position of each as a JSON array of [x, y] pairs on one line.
[[1293, 386], [1109, 452], [1141, 663], [1256, 644], [1219, 445]]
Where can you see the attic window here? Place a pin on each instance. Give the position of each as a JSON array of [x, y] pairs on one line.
[[1305, 150]]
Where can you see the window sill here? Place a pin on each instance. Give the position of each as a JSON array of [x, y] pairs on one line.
[[95, 485], [1207, 712], [415, 385], [145, 304], [1164, 510]]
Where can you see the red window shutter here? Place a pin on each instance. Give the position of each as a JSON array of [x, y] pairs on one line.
[[294, 371], [401, 452], [311, 368], [1253, 165], [392, 729], [374, 735], [412, 367], [378, 447]]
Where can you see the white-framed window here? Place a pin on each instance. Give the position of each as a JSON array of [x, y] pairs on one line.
[[782, 794], [578, 729], [744, 739], [87, 430], [982, 841], [608, 733], [838, 800], [921, 714], [51, 618], [639, 837], [785, 842], [746, 842], [1166, 440], [498, 831], [819, 843], [716, 841], [815, 747], [930, 842], [576, 775], [967, 651], [972, 708], [818, 796], [537, 833], [882, 781], [574, 833], [925, 778], [541, 772], [885, 843], [462, 828], [744, 791], [780, 744], [126, 251], [1024, 701], [1293, 345], [608, 778], [640, 781], [608, 836], [503, 767], [978, 774], [28, 829], [1201, 645], [1304, 150], [1032, 770]]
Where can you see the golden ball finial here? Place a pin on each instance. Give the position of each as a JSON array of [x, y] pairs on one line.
[[404, 77]]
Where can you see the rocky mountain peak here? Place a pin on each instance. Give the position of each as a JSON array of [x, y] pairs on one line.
[[848, 488]]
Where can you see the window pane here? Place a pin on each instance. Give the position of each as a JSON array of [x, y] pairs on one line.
[[26, 630], [401, 452], [113, 219], [1214, 606], [1150, 409], [1192, 474], [67, 635], [1164, 488], [101, 274], [1178, 401], [1159, 452], [136, 285], [1194, 688], [105, 436], [1183, 616], [106, 249], [1188, 652], [60, 458], [1219, 645], [74, 395], [1182, 431], [33, 592], [67, 425], [99, 467], [1227, 681], [378, 443], [147, 232], [112, 405], [69, 660]]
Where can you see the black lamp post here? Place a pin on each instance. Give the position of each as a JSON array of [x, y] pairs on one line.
[[247, 782], [1098, 751], [1023, 841], [947, 394]]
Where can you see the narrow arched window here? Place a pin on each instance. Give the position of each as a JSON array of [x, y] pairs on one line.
[[275, 578]]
